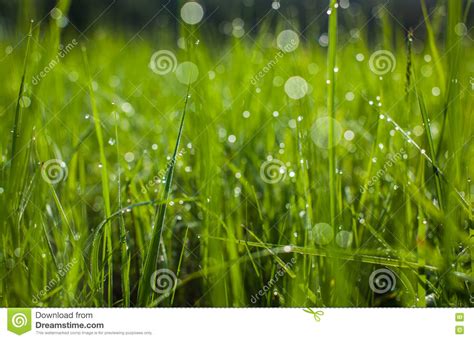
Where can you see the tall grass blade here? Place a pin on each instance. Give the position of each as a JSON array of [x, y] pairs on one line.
[[145, 294], [105, 195], [331, 64]]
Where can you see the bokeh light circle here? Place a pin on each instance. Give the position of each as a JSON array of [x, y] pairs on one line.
[[192, 13], [296, 87], [288, 41], [187, 72], [323, 233], [320, 132]]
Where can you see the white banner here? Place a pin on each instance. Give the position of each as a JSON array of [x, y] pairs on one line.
[[228, 323]]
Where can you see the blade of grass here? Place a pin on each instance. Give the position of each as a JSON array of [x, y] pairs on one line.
[[144, 289], [178, 270], [331, 110], [105, 191], [433, 45], [18, 110], [276, 257], [426, 124], [125, 256]]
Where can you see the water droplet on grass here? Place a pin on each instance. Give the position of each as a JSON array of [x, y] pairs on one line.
[[322, 233], [319, 132], [25, 102], [344, 239], [349, 135], [129, 157]]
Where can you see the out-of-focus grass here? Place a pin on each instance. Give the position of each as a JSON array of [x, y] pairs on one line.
[[229, 228]]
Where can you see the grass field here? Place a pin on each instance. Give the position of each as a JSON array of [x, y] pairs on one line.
[[262, 169]]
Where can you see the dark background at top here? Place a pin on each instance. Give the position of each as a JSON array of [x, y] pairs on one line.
[[132, 15]]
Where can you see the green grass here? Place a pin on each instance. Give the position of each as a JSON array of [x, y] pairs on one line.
[[152, 185]]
